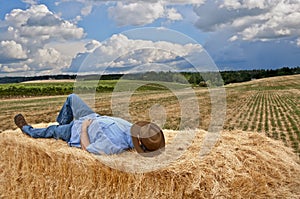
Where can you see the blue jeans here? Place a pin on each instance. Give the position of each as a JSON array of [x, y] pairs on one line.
[[73, 108]]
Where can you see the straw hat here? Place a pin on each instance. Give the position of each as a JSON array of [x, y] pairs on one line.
[[147, 138]]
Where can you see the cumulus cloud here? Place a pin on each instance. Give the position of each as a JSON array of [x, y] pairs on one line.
[[14, 68], [173, 15], [251, 20], [40, 24], [11, 51], [141, 13], [149, 6], [223, 16], [47, 57], [25, 35], [92, 45], [121, 54], [119, 44], [138, 13]]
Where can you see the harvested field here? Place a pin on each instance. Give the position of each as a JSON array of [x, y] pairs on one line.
[[241, 165], [270, 106]]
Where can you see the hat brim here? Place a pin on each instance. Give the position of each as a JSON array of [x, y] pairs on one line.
[[135, 131]]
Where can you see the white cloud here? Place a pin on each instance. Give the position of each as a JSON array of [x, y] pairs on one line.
[[233, 38], [251, 19], [298, 42], [40, 24], [78, 9], [86, 10], [14, 68], [194, 2], [11, 51], [30, 2], [138, 13], [234, 4], [47, 57], [69, 49], [120, 45], [35, 38], [120, 52], [92, 45], [176, 2], [132, 12], [249, 4], [173, 15]]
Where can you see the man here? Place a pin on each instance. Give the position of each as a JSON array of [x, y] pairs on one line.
[[81, 127]]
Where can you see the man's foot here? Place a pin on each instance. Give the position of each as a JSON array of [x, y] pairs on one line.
[[20, 121]]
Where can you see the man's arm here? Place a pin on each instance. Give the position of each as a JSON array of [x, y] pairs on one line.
[[84, 137]]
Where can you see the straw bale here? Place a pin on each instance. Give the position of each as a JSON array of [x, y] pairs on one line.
[[241, 165]]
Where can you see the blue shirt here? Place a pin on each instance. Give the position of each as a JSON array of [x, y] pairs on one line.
[[108, 135]]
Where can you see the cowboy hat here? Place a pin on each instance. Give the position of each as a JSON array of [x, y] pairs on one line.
[[148, 139]]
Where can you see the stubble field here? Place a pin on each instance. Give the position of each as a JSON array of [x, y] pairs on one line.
[[269, 106]]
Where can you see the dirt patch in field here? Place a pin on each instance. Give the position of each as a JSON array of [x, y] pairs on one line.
[[241, 165]]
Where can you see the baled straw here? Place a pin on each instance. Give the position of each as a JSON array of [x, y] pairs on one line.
[[241, 165]]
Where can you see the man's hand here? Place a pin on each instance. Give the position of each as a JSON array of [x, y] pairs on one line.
[[84, 137], [86, 123]]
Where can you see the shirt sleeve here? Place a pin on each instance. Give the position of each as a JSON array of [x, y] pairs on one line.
[[104, 146]]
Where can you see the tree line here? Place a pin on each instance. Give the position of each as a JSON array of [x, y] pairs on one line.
[[213, 78], [200, 79]]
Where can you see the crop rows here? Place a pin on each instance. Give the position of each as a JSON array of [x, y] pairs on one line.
[[277, 114]]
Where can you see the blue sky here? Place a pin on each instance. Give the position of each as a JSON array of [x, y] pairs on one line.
[[68, 36]]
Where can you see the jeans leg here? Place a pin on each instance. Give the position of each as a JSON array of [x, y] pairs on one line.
[[74, 107], [65, 115], [54, 131]]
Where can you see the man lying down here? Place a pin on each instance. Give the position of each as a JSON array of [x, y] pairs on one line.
[[81, 127]]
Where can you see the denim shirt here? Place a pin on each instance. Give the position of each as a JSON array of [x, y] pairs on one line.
[[108, 135]]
